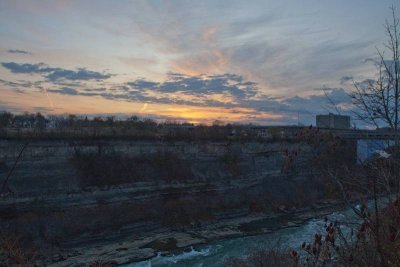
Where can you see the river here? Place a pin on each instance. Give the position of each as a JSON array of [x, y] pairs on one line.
[[214, 254]]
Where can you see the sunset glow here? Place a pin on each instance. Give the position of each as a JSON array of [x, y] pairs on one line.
[[187, 61]]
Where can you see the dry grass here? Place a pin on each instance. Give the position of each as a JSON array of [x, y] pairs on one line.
[[12, 253]]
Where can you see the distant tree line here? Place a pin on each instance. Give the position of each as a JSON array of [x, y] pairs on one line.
[[37, 125], [30, 120], [37, 120]]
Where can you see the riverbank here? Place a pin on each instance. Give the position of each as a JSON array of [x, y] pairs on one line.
[[124, 248]]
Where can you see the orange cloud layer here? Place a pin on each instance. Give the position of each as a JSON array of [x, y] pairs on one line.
[[61, 104]]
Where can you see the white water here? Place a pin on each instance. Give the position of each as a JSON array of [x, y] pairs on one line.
[[214, 254]]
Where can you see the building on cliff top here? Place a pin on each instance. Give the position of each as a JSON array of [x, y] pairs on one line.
[[333, 121]]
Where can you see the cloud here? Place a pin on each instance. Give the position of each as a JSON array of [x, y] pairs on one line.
[[346, 79], [27, 68], [139, 61], [42, 109], [17, 51], [10, 107], [304, 108], [102, 89], [201, 85], [21, 85], [55, 74], [214, 91], [257, 44], [143, 84], [81, 75], [228, 91], [201, 91], [373, 60], [64, 91]]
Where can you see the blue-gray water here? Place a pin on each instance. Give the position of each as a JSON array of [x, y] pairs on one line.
[[214, 254]]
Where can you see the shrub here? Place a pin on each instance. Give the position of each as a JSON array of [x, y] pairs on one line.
[[185, 210], [12, 252], [172, 167], [231, 162]]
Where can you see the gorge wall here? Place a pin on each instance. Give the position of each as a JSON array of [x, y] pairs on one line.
[[69, 192], [47, 167]]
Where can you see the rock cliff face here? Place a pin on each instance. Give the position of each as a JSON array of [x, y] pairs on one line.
[[68, 193], [46, 167]]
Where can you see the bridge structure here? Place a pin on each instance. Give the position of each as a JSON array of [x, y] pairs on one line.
[[348, 134], [367, 142], [357, 134]]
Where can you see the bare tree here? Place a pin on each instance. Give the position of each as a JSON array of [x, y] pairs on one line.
[[5, 189], [378, 100]]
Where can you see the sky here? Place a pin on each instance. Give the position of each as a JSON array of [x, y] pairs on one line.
[[264, 62]]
